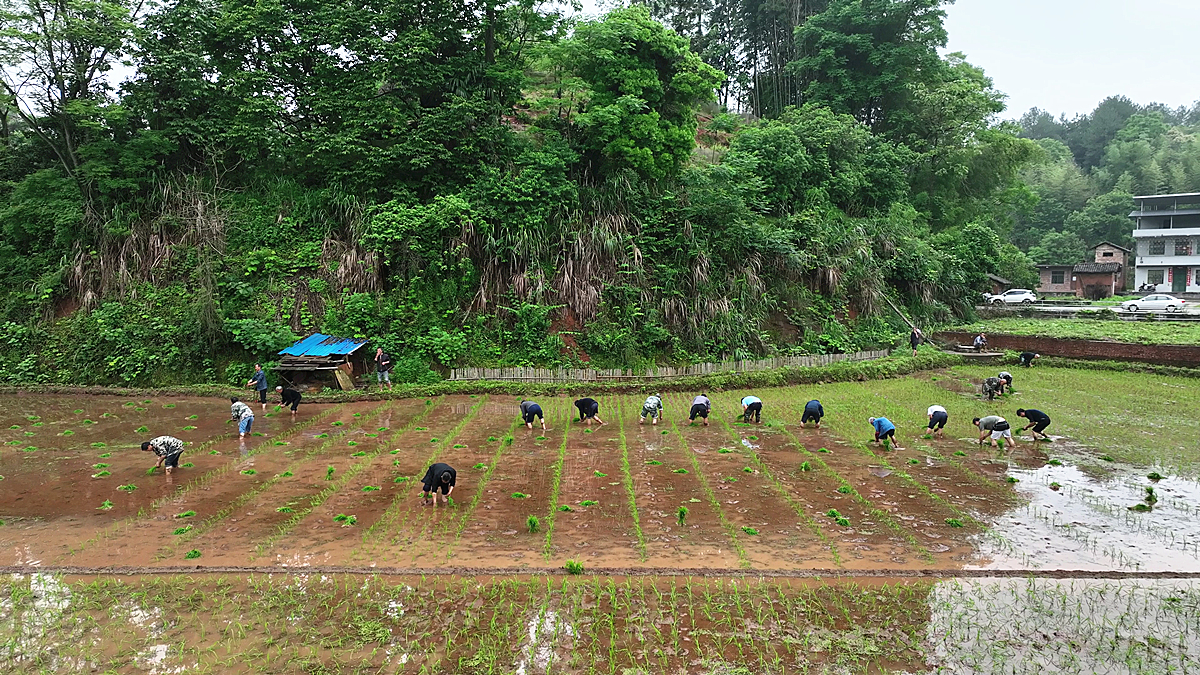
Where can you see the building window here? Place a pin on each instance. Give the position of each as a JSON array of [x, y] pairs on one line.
[[1158, 247], [1057, 277], [1106, 254], [1154, 277], [1183, 247]]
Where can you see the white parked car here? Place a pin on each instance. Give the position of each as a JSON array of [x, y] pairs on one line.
[[1159, 302], [1016, 296]]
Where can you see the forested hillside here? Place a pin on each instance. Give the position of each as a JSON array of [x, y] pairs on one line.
[[189, 186], [1091, 166]]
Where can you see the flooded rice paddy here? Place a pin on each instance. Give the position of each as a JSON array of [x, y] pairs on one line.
[[337, 487]]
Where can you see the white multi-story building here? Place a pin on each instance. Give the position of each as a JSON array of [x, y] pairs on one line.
[[1167, 236]]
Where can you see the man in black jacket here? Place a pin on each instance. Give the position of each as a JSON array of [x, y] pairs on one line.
[[439, 477], [1038, 421], [289, 397], [589, 409]]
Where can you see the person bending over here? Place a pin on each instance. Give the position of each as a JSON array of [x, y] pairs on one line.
[[752, 408], [243, 415], [884, 429], [813, 412], [992, 388], [701, 407], [530, 410], [997, 428], [1028, 357], [589, 409], [1038, 421], [288, 397], [168, 449], [1006, 379], [439, 476], [938, 417], [652, 408]]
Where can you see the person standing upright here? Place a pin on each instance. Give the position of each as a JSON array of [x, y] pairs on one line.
[[259, 382], [915, 338], [383, 368]]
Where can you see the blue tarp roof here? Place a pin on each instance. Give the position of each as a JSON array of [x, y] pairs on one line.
[[323, 345]]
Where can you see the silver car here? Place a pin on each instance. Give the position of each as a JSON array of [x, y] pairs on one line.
[[1157, 301]]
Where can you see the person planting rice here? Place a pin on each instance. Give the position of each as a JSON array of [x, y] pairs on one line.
[[439, 476], [701, 407], [289, 397], [1027, 358], [1038, 421], [589, 409], [530, 410], [243, 415], [995, 426], [813, 412], [992, 388], [1006, 379], [168, 449], [259, 382], [752, 407], [938, 417], [884, 429], [652, 408]]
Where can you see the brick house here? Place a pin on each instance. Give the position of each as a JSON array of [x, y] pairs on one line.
[[1091, 280], [1096, 280], [1055, 279], [1108, 252]]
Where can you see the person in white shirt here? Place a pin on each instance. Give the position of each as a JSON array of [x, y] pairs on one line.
[[937, 419], [701, 406]]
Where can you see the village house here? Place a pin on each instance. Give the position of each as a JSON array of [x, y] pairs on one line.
[[1167, 231], [1103, 277]]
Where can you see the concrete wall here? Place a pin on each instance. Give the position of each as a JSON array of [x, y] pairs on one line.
[[1171, 355]]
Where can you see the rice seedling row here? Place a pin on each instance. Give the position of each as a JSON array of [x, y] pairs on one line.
[[627, 477], [316, 500], [386, 528], [207, 524]]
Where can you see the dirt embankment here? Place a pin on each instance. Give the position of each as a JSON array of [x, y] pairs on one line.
[[1170, 355]]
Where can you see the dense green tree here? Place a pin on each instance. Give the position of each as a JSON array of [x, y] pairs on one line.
[[1058, 248]]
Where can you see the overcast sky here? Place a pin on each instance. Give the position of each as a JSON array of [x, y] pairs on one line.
[[1068, 55], [1065, 56]]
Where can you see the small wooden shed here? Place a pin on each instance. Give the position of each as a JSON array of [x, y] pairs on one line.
[[321, 355]]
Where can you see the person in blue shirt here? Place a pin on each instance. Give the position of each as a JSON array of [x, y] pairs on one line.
[[813, 412], [259, 382], [884, 429], [752, 407]]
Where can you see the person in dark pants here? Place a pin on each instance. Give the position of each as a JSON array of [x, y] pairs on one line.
[[530, 410], [701, 407], [1028, 357], [813, 412], [938, 417], [440, 476], [383, 368], [289, 397], [992, 388], [168, 449], [1038, 421], [589, 409], [1006, 380], [884, 429], [259, 382], [915, 338], [980, 342], [752, 407]]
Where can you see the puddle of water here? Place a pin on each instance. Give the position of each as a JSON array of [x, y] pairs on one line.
[[1078, 521], [1073, 626], [546, 632]]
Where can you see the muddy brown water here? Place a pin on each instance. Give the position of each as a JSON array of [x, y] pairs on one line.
[[56, 513]]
